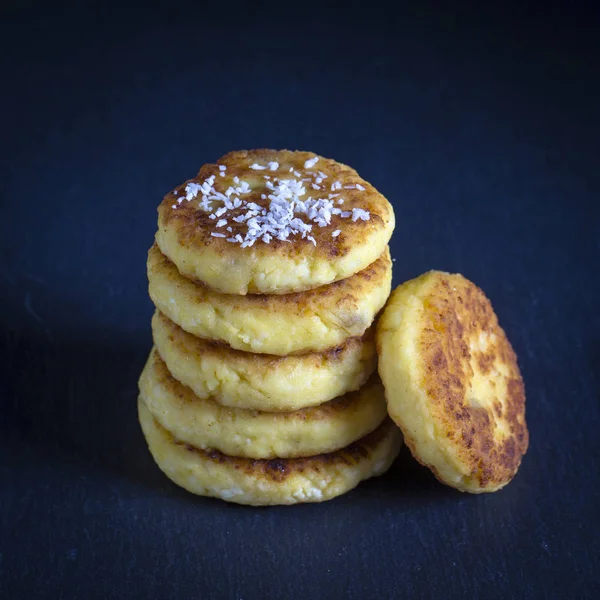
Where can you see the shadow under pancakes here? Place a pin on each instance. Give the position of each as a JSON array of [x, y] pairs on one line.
[[409, 484], [73, 402]]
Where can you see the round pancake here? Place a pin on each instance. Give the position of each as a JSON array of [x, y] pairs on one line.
[[262, 381], [266, 482], [195, 212], [206, 424], [312, 321], [452, 382]]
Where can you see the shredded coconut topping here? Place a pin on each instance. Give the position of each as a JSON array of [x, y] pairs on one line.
[[290, 213], [359, 213]]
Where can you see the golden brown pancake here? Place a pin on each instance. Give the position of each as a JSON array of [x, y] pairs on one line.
[[277, 481], [263, 381], [452, 382], [332, 223], [206, 424], [312, 321]]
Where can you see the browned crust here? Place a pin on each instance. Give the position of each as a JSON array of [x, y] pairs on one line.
[[456, 311], [323, 412], [279, 469], [347, 293], [194, 226], [312, 360]]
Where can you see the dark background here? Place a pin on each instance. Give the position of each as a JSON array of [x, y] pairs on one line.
[[482, 127]]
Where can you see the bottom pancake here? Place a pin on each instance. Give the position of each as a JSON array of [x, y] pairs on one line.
[[206, 424], [268, 482]]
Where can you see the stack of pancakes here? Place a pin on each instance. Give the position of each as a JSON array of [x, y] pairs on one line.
[[268, 272]]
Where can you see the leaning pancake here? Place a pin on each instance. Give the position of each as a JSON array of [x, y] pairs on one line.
[[312, 321], [273, 222], [262, 381], [452, 382], [278, 481], [206, 424]]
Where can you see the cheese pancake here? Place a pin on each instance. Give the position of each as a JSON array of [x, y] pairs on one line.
[[263, 381], [273, 222], [452, 382], [206, 424], [312, 321], [266, 482]]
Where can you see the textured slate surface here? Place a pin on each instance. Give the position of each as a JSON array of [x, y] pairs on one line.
[[483, 131]]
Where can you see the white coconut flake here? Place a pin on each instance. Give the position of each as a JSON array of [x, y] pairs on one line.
[[290, 213], [219, 235], [222, 168], [257, 168], [360, 187], [359, 213], [191, 190], [309, 164], [273, 166]]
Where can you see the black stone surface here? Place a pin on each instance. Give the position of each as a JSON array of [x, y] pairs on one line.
[[481, 126]]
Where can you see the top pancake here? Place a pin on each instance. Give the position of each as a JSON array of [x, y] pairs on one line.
[[452, 382], [282, 191]]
